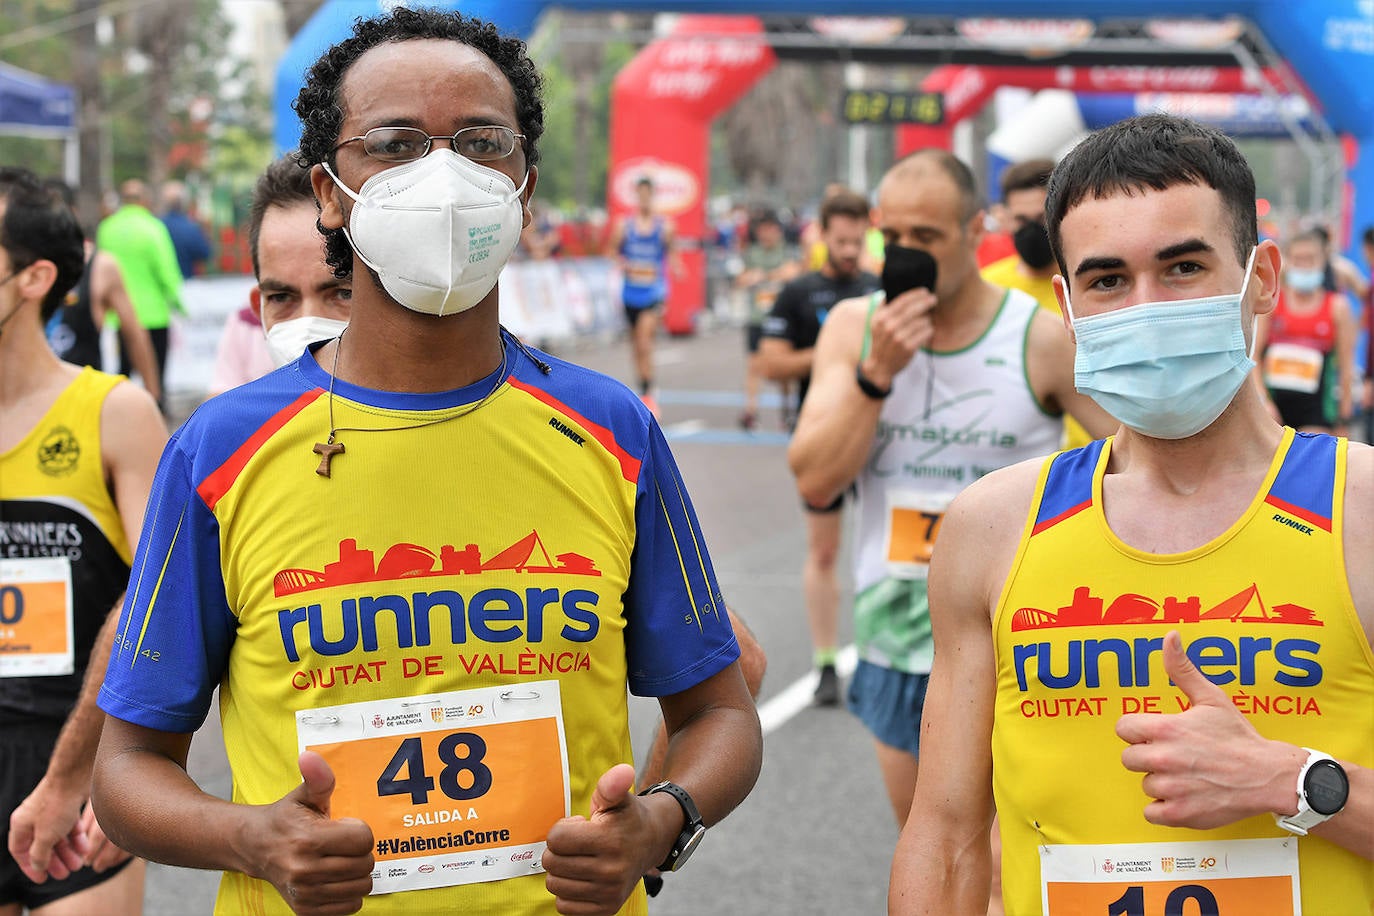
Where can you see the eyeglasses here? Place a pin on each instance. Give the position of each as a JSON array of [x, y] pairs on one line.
[[406, 144]]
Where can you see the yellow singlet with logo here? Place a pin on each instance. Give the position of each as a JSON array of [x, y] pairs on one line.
[[1265, 611]]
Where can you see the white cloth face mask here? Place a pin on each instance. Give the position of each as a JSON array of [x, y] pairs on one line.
[[437, 231], [287, 340]]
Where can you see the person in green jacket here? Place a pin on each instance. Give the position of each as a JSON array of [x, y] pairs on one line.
[[141, 245]]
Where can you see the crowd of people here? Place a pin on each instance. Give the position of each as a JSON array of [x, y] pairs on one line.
[[1093, 439]]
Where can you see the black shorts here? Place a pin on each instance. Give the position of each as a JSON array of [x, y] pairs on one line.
[[1299, 408], [753, 333], [24, 754], [634, 312]]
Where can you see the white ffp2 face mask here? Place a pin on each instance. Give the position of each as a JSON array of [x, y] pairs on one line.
[[437, 231], [287, 340]]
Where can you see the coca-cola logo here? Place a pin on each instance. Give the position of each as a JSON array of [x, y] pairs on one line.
[[522, 856]]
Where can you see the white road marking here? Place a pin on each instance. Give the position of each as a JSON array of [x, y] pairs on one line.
[[775, 712], [685, 428]]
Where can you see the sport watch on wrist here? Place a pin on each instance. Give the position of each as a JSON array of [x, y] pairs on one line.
[[868, 386], [692, 830], [1322, 791]]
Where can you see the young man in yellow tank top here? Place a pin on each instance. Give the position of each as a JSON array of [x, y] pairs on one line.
[[78, 450], [1134, 771]]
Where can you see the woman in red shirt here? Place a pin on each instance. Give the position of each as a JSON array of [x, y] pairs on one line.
[[1308, 344]]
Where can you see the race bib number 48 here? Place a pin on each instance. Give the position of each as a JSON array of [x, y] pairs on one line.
[[458, 788], [36, 617], [1223, 878]]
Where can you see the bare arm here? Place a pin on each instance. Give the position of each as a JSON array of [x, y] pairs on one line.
[[317, 864], [943, 858], [715, 749], [1346, 334], [1049, 366], [835, 430], [779, 361], [110, 295]]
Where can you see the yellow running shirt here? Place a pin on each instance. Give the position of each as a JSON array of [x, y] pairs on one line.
[[450, 618], [1265, 611]]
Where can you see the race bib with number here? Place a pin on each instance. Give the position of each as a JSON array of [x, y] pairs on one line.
[[458, 787], [36, 617], [1292, 367], [1223, 878], [913, 521]]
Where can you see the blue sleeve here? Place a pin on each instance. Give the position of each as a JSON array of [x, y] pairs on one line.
[[175, 628], [677, 630]]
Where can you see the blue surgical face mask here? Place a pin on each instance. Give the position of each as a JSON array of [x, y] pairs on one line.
[[1304, 280], [1165, 369]]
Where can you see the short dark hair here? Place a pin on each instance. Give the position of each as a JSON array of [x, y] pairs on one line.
[[1026, 176], [843, 202], [1368, 236], [320, 102], [1157, 152], [39, 226], [644, 182], [285, 183]]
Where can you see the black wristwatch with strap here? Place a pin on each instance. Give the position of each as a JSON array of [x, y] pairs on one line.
[[868, 386], [692, 830]]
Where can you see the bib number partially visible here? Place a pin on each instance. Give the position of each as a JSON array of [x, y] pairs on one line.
[[458, 788], [913, 521], [1223, 878], [36, 617], [1293, 367]]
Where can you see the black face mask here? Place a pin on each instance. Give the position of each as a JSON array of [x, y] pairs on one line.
[[1033, 245], [906, 268]]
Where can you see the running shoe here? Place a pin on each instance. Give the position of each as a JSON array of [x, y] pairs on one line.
[[828, 688], [748, 420]]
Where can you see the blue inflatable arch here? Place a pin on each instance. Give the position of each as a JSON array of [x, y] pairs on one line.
[[1329, 45]]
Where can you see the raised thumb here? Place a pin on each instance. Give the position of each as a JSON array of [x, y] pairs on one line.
[[1184, 674], [613, 788], [317, 782]]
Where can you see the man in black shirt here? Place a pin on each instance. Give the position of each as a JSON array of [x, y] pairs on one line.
[[785, 354]]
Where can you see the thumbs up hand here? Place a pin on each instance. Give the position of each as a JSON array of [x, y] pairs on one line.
[[1206, 766], [317, 864], [593, 863]]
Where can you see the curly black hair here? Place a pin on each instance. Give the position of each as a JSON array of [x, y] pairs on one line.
[[320, 104], [39, 226]]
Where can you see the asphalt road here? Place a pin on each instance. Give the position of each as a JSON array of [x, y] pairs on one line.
[[816, 835]]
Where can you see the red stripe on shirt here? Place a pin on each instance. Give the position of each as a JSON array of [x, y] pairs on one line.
[[1306, 515], [629, 466], [1067, 513], [213, 487]]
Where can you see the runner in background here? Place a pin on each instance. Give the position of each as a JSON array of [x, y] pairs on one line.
[[768, 263], [298, 299], [78, 450], [911, 400], [786, 355], [1308, 344], [1145, 694], [74, 330], [1030, 268], [643, 245]]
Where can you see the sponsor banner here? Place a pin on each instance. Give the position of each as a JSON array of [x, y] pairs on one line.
[[1223, 876], [458, 788], [36, 617]]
